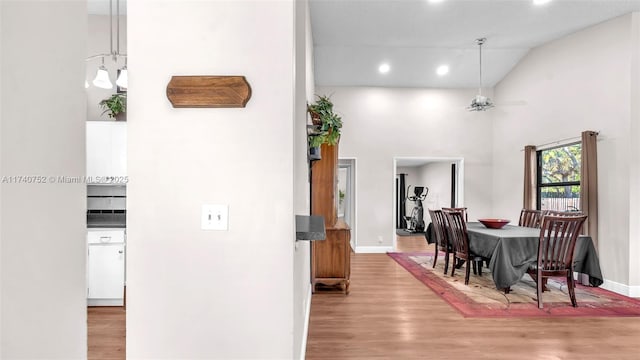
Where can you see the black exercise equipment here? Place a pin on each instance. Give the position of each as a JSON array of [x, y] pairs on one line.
[[415, 222]]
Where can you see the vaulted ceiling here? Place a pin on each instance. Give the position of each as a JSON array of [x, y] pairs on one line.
[[352, 38]]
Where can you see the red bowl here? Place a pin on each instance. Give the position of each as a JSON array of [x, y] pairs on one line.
[[494, 223]]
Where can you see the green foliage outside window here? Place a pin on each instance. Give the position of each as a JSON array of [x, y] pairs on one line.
[[561, 164], [559, 177]]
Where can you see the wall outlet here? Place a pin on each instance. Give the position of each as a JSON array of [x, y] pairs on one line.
[[215, 217], [380, 239]]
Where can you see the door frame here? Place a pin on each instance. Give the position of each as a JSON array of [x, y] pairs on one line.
[[351, 164], [459, 161]]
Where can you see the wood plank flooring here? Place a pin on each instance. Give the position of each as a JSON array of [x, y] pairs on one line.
[[106, 327], [391, 315]]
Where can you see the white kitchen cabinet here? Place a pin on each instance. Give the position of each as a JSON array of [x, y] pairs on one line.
[[106, 150], [106, 268]]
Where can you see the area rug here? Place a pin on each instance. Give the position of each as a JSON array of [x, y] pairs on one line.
[[481, 298]]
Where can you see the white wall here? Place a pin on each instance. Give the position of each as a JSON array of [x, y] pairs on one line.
[[634, 160], [437, 177], [580, 82], [412, 179], [303, 93], [383, 123], [42, 225], [98, 43], [211, 294]]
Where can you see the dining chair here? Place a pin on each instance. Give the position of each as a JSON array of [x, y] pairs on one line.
[[463, 209], [457, 226], [556, 243], [530, 218], [441, 237], [562, 213]]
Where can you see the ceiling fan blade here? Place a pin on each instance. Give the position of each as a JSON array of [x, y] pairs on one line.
[[511, 103]]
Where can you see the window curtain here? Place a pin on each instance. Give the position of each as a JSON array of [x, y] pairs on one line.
[[530, 178], [589, 185]]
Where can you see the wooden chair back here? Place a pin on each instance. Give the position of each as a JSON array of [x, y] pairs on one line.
[[439, 228], [558, 235], [457, 230], [461, 209], [530, 218], [561, 213]]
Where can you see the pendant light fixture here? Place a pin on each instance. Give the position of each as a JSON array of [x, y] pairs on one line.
[[480, 102], [102, 79], [123, 77]]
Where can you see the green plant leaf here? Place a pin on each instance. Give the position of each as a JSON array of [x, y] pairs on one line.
[[331, 122]]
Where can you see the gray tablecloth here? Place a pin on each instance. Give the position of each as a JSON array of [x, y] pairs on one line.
[[512, 248]]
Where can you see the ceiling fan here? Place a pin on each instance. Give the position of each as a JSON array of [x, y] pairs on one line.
[[480, 102]]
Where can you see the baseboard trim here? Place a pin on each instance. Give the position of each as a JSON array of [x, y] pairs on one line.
[[305, 330], [373, 249], [622, 289]]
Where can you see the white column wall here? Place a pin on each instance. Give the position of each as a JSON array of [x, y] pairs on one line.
[[634, 161], [303, 93], [211, 294], [43, 221], [383, 123], [579, 82]]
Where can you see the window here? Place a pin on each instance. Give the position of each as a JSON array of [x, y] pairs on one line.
[[559, 178]]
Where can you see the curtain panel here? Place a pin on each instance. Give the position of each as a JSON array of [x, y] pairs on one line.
[[589, 184], [530, 178]]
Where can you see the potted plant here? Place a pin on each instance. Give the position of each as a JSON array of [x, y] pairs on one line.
[[326, 123], [115, 106]]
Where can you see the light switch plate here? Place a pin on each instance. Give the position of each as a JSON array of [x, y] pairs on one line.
[[215, 217]]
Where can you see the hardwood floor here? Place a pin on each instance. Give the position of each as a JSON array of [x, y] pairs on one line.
[[413, 243], [391, 315], [106, 326]]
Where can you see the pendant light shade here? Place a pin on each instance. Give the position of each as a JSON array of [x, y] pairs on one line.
[[480, 102], [102, 78], [102, 75], [123, 78]]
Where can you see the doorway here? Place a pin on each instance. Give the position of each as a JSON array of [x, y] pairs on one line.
[[443, 180], [347, 195]]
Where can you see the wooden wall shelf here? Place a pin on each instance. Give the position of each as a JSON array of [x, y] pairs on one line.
[[208, 91]]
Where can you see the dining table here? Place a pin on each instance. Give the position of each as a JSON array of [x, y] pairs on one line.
[[511, 249]]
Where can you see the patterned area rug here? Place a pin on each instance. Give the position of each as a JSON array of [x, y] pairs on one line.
[[481, 298]]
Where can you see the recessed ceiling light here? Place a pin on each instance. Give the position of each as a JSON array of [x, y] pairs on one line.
[[442, 70], [384, 68], [541, 2], [435, 1]]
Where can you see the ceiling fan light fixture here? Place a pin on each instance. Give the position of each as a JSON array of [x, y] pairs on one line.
[[480, 102]]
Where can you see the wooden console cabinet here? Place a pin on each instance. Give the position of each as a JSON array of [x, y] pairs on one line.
[[331, 258]]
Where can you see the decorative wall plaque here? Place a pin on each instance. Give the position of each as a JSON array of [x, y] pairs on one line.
[[208, 91]]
